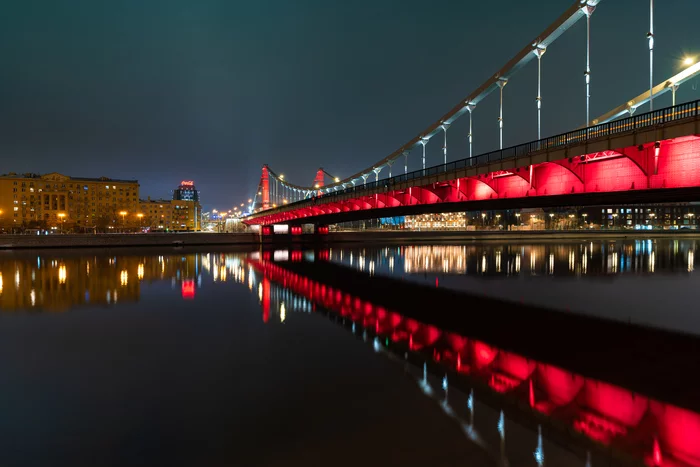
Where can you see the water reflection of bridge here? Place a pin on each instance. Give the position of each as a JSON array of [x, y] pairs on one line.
[[484, 259], [649, 427]]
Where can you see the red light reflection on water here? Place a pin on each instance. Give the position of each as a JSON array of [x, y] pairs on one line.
[[188, 289], [602, 411]]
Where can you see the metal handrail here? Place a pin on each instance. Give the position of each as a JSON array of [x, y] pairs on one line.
[[646, 120]]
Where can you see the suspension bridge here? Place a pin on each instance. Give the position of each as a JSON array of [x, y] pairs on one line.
[[622, 156]]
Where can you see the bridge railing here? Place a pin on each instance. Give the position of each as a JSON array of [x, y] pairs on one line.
[[636, 122]]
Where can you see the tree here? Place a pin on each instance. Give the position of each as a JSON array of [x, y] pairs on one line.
[[103, 222]]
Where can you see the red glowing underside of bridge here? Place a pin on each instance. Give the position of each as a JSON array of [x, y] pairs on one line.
[[670, 164], [665, 434]]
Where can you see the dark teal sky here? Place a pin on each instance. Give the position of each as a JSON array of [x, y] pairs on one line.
[[211, 89]]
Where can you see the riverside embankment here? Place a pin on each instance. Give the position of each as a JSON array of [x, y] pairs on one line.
[[125, 240], [374, 237]]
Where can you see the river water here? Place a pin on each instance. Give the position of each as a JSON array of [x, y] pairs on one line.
[[650, 282], [186, 357]]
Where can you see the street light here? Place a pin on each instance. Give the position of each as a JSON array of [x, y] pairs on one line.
[[281, 177], [483, 219], [337, 180], [614, 216], [687, 61], [123, 214], [551, 220], [140, 216], [62, 216]]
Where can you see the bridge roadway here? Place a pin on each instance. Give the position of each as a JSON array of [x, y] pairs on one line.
[[650, 157], [616, 383]]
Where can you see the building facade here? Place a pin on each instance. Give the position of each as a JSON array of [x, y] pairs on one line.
[[57, 201], [166, 215]]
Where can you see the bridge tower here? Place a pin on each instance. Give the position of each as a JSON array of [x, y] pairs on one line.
[[318, 181], [265, 187]]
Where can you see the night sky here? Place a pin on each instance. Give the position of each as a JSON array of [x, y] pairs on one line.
[[210, 90]]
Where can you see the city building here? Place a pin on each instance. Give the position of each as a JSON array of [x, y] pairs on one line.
[[186, 192], [170, 215], [644, 217], [188, 213], [446, 221], [62, 202]]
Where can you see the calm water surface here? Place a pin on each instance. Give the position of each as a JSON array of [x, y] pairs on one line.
[[214, 358], [642, 281]]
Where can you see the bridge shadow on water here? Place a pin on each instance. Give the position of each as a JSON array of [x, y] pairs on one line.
[[624, 390]]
